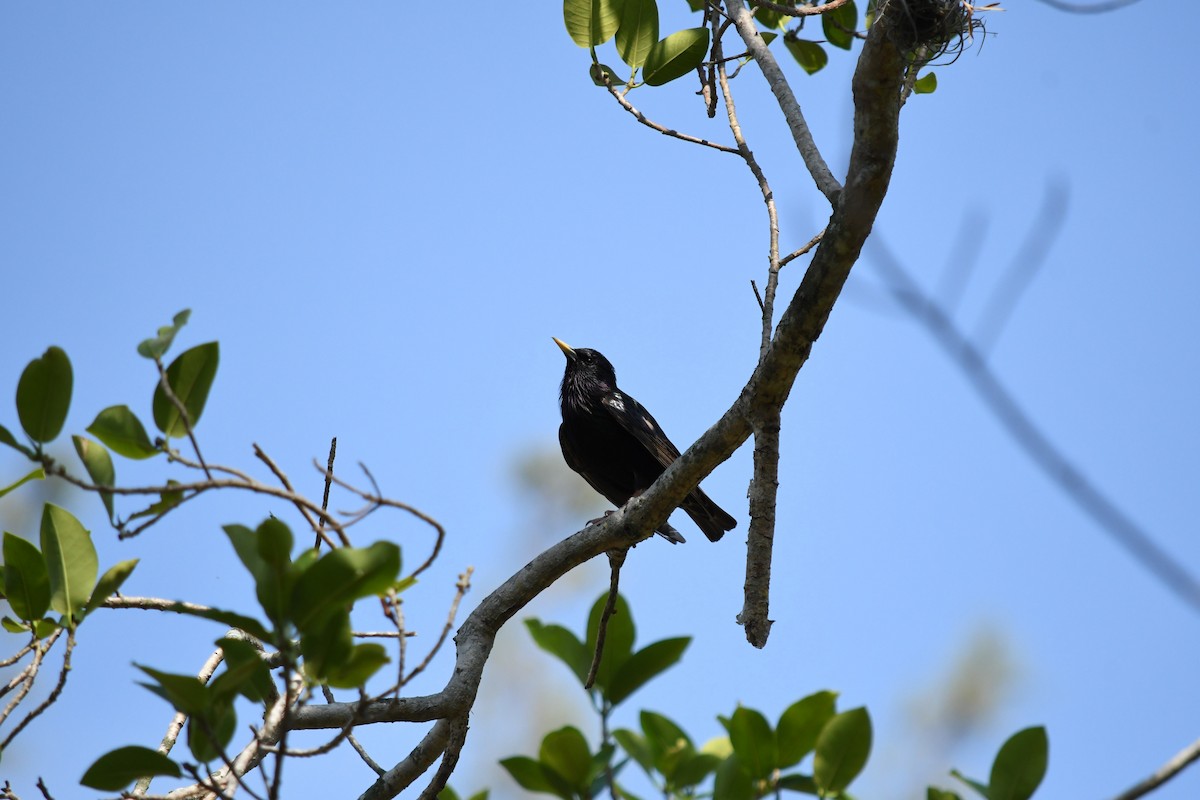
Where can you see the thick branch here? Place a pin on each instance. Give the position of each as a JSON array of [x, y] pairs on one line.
[[877, 97]]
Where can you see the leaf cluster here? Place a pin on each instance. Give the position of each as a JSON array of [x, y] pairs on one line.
[[812, 748]]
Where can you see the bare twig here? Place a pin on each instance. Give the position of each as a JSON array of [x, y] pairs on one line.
[[54, 693], [615, 559], [665, 131], [792, 256], [1180, 761], [165, 385], [782, 90], [798, 11], [378, 501], [460, 589], [325, 496], [283, 479]]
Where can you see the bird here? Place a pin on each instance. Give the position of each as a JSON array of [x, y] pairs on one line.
[[614, 443]]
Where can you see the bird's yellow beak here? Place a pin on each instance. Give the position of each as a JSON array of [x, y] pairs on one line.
[[566, 348]]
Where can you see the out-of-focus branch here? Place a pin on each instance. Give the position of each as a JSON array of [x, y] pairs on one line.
[[1103, 511]]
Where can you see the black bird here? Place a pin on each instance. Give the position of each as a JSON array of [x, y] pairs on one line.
[[618, 448]]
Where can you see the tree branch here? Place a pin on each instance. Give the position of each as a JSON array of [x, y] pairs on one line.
[[813, 159], [1179, 762]]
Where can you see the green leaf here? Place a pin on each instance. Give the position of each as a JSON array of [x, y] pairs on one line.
[[809, 55], [667, 742], [364, 661], [562, 644], [326, 644], [770, 18], [768, 37], [635, 745], [26, 582], [638, 31], [70, 561], [934, 793], [247, 671], [801, 724], [342, 576], [190, 376], [245, 544], [156, 347], [447, 793], [565, 751], [591, 22], [184, 692], [109, 583], [530, 774], [839, 25], [644, 665], [12, 626], [116, 769], [796, 782], [7, 438], [675, 56], [1020, 765], [753, 742], [36, 474], [842, 750], [693, 769], [273, 540], [210, 733], [618, 639], [44, 395], [732, 782], [598, 71], [99, 466], [926, 84], [44, 627], [122, 432]]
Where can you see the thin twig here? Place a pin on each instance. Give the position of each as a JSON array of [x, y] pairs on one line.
[[283, 479], [813, 160], [615, 559], [460, 589], [1180, 761], [183, 413], [54, 693], [325, 497], [625, 104], [8, 662], [792, 256], [377, 500], [798, 11]]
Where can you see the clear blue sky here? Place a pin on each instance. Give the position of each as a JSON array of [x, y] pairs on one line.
[[383, 214]]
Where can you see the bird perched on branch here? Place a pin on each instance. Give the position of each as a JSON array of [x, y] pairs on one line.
[[618, 448]]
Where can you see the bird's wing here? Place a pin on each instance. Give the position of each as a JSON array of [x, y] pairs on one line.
[[636, 420]]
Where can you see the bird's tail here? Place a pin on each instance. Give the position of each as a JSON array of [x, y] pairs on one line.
[[708, 516]]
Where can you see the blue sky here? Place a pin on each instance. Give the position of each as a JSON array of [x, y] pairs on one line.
[[385, 215]]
